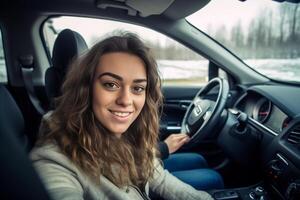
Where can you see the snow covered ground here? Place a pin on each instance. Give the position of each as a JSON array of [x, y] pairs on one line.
[[283, 69], [182, 69]]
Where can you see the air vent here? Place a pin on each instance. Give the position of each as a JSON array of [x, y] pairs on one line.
[[294, 135]]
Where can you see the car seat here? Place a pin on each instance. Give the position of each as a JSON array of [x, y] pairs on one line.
[[18, 178]]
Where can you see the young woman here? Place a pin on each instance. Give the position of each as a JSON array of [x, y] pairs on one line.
[[100, 141]]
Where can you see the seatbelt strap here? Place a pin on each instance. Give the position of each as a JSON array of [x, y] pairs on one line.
[[27, 67]]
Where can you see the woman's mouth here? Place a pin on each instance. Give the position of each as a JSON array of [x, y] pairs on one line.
[[121, 114]]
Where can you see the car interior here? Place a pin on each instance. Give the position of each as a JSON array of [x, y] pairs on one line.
[[245, 123]]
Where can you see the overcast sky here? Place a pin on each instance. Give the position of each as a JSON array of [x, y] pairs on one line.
[[229, 12]]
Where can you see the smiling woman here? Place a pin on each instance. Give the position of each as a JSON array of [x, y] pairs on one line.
[[103, 144]]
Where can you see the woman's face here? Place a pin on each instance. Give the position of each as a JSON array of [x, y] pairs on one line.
[[119, 90]]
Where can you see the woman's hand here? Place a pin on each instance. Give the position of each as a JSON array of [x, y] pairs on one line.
[[175, 141]]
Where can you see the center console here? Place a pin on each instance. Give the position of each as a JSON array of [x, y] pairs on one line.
[[281, 181], [254, 192], [278, 156]]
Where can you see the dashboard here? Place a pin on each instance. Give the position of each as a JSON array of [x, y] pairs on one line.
[[273, 106], [274, 111], [264, 111]]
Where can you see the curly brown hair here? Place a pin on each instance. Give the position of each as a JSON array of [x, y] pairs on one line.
[[82, 138]]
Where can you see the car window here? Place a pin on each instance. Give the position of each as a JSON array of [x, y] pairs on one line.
[[264, 34], [178, 65], [3, 72]]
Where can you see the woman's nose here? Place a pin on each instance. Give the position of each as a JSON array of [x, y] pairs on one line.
[[124, 97]]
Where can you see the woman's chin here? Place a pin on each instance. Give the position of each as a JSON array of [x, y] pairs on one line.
[[118, 132]]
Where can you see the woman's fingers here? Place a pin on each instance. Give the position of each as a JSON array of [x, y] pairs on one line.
[[175, 141]]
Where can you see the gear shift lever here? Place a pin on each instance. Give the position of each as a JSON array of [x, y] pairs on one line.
[[258, 193]]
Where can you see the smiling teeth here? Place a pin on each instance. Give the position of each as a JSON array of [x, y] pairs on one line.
[[121, 114]]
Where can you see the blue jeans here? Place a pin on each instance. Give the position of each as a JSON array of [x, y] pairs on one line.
[[192, 169]]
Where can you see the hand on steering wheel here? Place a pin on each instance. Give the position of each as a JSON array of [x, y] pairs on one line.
[[175, 141]]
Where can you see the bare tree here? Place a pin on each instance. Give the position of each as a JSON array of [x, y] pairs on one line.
[[294, 22], [270, 28], [282, 15], [237, 35], [251, 38]]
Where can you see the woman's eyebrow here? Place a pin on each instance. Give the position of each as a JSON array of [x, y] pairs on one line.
[[140, 80], [120, 78], [111, 74]]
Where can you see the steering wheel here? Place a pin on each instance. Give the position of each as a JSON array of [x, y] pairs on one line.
[[203, 114]]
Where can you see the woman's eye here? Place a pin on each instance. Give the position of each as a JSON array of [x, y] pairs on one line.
[[110, 86], [138, 89]]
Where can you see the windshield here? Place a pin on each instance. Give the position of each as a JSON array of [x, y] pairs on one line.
[[265, 34]]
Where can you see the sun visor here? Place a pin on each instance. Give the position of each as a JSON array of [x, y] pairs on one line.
[[172, 9], [147, 8], [181, 9], [143, 8]]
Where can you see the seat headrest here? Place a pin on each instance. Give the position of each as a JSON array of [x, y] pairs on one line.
[[11, 118], [68, 45]]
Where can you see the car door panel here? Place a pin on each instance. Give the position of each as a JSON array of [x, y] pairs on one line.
[[176, 101]]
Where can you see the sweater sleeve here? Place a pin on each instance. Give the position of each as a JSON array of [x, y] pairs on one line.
[[61, 182], [169, 187], [164, 150]]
